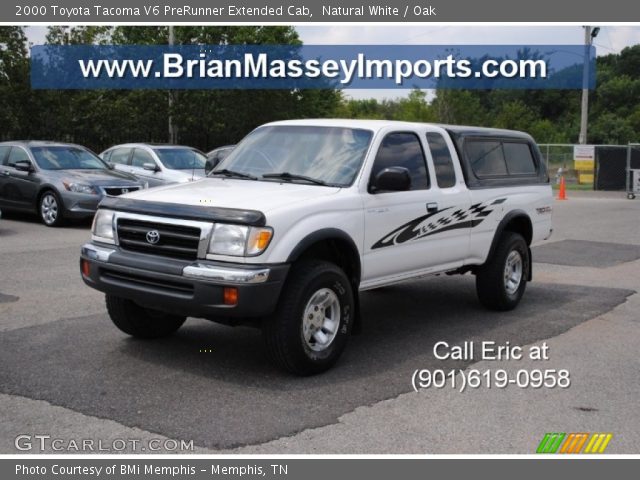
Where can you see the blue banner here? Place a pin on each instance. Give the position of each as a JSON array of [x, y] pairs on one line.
[[312, 66]]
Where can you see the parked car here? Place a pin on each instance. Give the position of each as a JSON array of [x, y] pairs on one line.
[[157, 164], [214, 157], [57, 180], [303, 215]]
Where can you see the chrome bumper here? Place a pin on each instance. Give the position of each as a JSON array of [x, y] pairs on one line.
[[196, 271]]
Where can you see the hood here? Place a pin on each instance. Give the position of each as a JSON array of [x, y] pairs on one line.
[[233, 193], [98, 177]]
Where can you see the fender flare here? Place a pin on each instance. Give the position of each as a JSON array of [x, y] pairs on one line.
[[332, 234], [325, 234], [500, 230]]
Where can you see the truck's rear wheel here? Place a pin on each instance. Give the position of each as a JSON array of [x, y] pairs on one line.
[[141, 322], [500, 283], [311, 325]]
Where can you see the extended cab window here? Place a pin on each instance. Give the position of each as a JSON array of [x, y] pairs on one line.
[[442, 161], [403, 149]]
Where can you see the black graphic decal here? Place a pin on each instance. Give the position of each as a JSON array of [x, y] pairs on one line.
[[419, 228]]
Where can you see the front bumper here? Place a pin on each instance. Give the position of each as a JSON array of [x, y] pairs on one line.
[[194, 289], [79, 205]]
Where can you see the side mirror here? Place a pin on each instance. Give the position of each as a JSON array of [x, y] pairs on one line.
[[210, 164], [392, 179], [150, 166], [23, 166]]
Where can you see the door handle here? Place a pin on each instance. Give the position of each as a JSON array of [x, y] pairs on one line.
[[6, 173], [432, 207]]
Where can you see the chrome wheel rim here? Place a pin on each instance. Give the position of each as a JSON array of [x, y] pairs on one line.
[[49, 209], [513, 272], [321, 320]]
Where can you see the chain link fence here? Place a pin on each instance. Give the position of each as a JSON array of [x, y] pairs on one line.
[[611, 167]]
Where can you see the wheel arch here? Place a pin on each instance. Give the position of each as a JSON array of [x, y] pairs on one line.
[[517, 221], [337, 246], [47, 187]]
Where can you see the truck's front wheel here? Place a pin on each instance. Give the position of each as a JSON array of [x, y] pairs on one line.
[[500, 283], [141, 322], [311, 325]]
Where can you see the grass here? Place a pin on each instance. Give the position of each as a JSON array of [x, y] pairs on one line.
[[575, 186]]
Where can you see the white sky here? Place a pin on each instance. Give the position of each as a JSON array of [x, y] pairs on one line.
[[611, 39]]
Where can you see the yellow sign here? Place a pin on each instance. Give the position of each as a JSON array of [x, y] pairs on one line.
[[585, 177], [583, 164], [584, 157]]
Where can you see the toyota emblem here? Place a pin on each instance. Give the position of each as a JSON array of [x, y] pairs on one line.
[[153, 237]]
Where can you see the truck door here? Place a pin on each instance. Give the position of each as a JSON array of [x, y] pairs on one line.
[[424, 228]]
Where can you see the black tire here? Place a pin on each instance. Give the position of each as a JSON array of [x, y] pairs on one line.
[[48, 201], [494, 290], [283, 332], [141, 322]]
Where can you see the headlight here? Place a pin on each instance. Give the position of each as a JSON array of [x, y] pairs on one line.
[[80, 188], [102, 228], [239, 240]]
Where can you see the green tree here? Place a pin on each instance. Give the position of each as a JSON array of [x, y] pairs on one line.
[[14, 82]]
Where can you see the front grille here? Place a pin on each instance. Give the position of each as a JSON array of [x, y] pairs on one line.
[[174, 241], [115, 191]]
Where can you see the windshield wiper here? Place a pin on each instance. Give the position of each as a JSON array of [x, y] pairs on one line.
[[294, 176], [232, 173]]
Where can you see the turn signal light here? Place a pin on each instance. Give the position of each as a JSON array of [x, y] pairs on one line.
[[85, 267], [258, 240], [230, 296]]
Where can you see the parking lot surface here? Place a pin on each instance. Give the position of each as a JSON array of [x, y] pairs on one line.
[[68, 372]]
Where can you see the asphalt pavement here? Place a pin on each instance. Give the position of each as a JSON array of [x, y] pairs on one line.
[[69, 373]]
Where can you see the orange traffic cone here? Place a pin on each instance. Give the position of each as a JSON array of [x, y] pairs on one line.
[[562, 194]]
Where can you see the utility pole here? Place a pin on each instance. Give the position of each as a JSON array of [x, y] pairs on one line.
[[173, 131], [589, 35]]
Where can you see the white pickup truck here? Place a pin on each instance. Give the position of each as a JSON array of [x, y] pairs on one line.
[[304, 214]]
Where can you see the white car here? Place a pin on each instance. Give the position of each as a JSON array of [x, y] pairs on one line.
[[157, 165], [303, 215]]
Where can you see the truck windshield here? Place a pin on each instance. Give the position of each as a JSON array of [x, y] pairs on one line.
[[181, 158], [66, 158], [325, 155]]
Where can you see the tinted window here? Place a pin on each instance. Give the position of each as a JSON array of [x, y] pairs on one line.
[[221, 154], [403, 150], [180, 158], [66, 158], [17, 155], [485, 157], [442, 161], [519, 158], [140, 157], [120, 156], [3, 154], [331, 154]]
